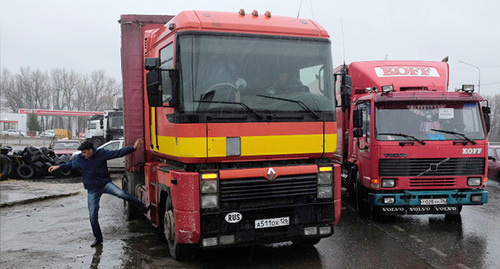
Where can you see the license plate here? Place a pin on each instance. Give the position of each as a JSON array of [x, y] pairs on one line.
[[441, 201], [274, 222]]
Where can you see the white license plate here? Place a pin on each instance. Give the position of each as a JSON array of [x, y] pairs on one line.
[[275, 222], [441, 201]]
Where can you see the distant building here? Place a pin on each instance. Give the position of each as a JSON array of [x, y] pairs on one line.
[[13, 121]]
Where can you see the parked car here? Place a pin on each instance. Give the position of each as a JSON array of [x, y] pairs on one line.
[[48, 133], [14, 132], [65, 146], [494, 162], [117, 164]]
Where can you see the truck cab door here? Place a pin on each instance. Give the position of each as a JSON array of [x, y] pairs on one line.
[[362, 138]]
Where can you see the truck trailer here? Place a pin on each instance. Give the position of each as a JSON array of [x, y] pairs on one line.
[[407, 145], [237, 113]]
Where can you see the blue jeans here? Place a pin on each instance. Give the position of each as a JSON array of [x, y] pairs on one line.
[[93, 198]]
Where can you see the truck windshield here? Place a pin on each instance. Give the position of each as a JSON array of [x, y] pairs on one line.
[[115, 120], [219, 73], [429, 121]]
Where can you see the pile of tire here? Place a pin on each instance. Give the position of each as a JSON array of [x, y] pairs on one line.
[[31, 163]]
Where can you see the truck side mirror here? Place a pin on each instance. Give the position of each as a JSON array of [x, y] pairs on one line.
[[346, 91], [358, 132], [486, 115], [357, 118], [153, 88], [101, 122], [152, 63]]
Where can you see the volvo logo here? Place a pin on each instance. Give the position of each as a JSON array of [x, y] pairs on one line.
[[271, 174]]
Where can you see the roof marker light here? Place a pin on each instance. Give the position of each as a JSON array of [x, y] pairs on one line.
[[268, 14], [387, 89], [255, 13], [468, 88], [242, 12]]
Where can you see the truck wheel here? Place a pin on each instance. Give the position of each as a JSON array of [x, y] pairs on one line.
[[129, 186], [362, 206], [177, 251], [97, 142]]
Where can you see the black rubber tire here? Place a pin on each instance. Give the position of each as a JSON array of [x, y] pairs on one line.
[[5, 167], [25, 171], [362, 206], [177, 251], [128, 185], [97, 142], [64, 158]]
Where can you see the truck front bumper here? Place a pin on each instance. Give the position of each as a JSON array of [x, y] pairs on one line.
[[427, 202], [305, 222]]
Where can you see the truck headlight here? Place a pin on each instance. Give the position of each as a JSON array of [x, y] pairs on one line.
[[325, 178], [209, 201], [208, 186], [388, 183], [325, 192], [474, 181]]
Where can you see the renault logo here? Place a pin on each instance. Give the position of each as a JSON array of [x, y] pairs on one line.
[[271, 174]]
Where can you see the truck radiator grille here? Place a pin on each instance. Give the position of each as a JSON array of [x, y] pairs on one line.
[[281, 189], [431, 167], [431, 182]]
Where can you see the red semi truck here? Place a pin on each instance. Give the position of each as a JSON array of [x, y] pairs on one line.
[[237, 113], [406, 144]]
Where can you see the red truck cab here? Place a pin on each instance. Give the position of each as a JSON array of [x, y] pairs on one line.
[[238, 118], [406, 144]]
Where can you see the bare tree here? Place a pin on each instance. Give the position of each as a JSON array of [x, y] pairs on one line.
[[494, 102], [64, 86], [100, 90], [11, 99], [33, 85]]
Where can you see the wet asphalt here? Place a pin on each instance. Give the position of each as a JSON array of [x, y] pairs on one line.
[[44, 224]]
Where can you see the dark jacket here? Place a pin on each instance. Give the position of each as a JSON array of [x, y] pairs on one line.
[[95, 172]]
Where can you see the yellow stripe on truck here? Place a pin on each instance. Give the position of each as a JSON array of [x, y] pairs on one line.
[[195, 147]]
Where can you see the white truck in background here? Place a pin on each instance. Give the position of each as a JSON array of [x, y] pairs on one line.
[[102, 128]]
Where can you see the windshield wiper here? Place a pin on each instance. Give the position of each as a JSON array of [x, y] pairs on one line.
[[407, 136], [260, 117], [301, 104], [460, 135]]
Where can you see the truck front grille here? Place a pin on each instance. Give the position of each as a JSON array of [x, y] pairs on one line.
[[282, 190], [431, 167], [431, 182]]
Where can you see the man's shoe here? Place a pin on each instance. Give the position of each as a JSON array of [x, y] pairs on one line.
[[96, 243], [146, 209]]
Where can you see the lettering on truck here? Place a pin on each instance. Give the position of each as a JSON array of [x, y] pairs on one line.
[[406, 71], [471, 151]]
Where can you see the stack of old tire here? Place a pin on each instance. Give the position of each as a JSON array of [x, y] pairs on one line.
[[30, 163]]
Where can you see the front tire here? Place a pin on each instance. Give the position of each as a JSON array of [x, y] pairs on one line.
[[177, 251], [362, 206]]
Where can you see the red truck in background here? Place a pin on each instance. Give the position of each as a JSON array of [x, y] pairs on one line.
[[237, 112], [406, 144]]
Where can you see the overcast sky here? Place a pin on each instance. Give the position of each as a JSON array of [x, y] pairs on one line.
[[85, 36]]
